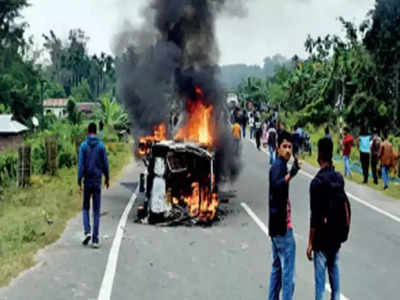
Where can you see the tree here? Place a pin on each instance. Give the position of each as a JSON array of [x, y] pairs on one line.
[[19, 77], [112, 113], [81, 92], [383, 41], [54, 90], [11, 33], [74, 116]]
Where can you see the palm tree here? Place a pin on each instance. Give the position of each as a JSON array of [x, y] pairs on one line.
[[112, 113]]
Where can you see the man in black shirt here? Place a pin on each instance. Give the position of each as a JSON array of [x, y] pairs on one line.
[[280, 222], [322, 243]]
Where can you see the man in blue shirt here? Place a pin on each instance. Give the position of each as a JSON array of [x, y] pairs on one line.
[[93, 163], [280, 223], [364, 142]]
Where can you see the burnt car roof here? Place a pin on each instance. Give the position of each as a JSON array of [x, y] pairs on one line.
[[166, 146]]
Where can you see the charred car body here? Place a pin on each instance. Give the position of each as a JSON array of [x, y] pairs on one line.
[[179, 185]]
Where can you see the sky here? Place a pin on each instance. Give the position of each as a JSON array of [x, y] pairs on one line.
[[270, 27]]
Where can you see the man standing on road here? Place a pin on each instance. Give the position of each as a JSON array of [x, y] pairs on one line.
[[375, 143], [244, 120], [280, 224], [385, 155], [252, 124], [237, 134], [347, 144], [93, 163], [364, 142], [330, 221], [271, 143]]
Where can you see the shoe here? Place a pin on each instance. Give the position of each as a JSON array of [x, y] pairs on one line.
[[96, 245], [87, 238], [386, 187]]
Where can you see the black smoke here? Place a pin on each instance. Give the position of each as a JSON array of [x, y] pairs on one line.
[[174, 52]]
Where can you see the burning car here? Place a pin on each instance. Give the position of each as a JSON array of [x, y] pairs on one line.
[[179, 185]]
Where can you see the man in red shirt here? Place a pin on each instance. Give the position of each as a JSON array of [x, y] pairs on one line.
[[347, 144]]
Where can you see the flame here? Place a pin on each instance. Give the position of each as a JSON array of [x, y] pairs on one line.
[[198, 127], [145, 143], [201, 203]]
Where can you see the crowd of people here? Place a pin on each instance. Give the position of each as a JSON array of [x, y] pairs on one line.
[[375, 152]]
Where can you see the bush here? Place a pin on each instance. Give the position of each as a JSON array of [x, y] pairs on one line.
[[8, 167]]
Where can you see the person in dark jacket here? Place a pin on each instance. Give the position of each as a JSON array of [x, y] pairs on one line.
[[93, 164], [325, 248], [280, 223]]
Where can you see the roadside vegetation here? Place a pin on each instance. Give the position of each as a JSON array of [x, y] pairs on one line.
[[36, 216], [349, 81]]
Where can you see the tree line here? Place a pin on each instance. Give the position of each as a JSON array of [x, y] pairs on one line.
[[69, 72], [354, 79]]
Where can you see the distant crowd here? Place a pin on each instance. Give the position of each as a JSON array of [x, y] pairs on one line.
[[376, 152]]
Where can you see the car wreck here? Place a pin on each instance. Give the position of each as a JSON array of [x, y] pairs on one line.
[[178, 185]]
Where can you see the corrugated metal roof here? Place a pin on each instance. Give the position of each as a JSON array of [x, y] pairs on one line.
[[7, 125], [60, 102]]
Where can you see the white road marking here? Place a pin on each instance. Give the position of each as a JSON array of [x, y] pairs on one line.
[[265, 230], [255, 218], [109, 274], [355, 198]]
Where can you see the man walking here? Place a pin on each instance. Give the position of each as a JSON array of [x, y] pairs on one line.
[[252, 124], [330, 221], [280, 224], [271, 143], [364, 142], [237, 134], [93, 163], [347, 144], [385, 156], [375, 145], [244, 120]]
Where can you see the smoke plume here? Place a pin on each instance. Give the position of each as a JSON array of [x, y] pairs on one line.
[[173, 52]]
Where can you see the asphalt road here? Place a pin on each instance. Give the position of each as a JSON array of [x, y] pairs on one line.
[[230, 260]]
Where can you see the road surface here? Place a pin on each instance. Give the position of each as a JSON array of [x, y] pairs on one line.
[[230, 260]]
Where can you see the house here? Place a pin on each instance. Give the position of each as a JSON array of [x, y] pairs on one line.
[[11, 133], [87, 108], [57, 107]]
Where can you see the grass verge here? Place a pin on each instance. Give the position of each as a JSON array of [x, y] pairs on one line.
[[35, 217]]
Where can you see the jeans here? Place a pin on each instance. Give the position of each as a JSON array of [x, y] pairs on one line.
[[374, 163], [252, 132], [283, 266], [93, 192], [244, 130], [385, 175], [322, 262], [347, 166], [271, 149]]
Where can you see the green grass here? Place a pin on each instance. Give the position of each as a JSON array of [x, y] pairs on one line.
[[392, 191], [36, 216]]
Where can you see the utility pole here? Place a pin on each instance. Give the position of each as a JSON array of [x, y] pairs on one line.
[[396, 99], [42, 105]]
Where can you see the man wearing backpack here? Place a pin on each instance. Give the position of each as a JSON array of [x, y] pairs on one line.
[[330, 221]]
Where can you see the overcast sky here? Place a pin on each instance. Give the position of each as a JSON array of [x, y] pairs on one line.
[[271, 27]]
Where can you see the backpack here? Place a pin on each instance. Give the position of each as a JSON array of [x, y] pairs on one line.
[[337, 219]]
